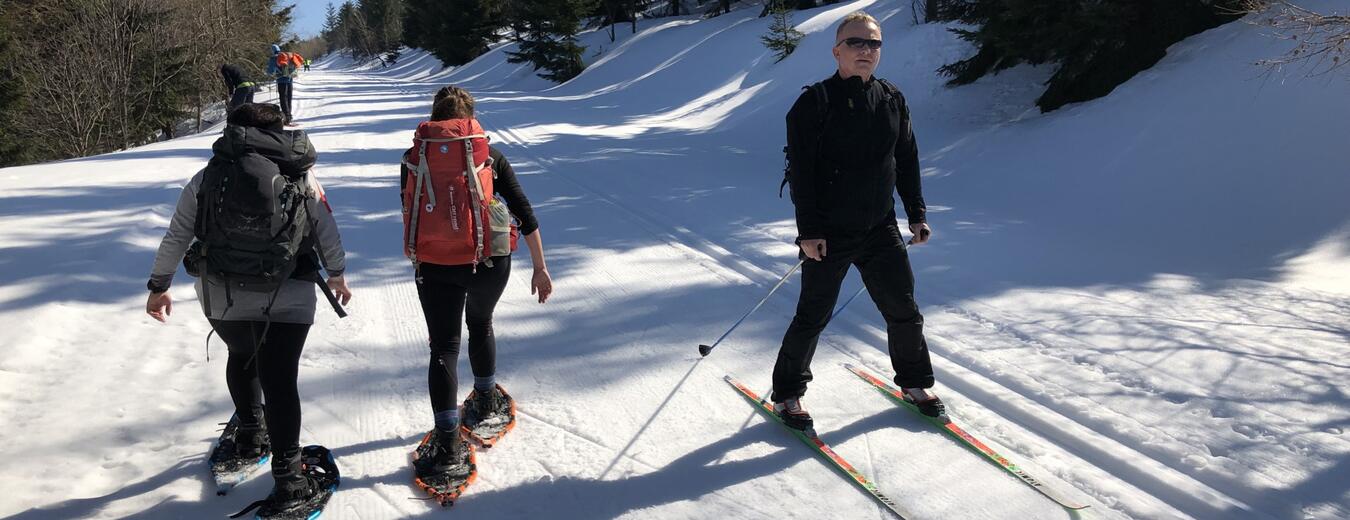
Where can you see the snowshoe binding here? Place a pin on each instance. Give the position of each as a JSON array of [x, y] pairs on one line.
[[443, 465], [240, 452], [488, 416], [304, 496]]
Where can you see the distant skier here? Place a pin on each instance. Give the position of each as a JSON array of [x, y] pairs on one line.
[[239, 90], [257, 188], [849, 146], [460, 238], [306, 64], [283, 66]]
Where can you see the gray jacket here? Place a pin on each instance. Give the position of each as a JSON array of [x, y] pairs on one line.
[[295, 302]]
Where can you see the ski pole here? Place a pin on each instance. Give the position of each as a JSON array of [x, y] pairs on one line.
[[846, 302], [707, 349]]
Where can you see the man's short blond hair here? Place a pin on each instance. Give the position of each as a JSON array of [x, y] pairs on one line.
[[855, 16]]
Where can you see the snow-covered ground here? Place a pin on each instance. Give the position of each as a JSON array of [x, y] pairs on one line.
[[1144, 299]]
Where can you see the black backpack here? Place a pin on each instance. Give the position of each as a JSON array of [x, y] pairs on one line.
[[823, 116], [253, 224]]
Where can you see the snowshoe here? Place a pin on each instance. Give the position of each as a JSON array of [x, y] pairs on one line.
[[304, 497], [239, 453], [927, 402], [488, 416], [443, 465]]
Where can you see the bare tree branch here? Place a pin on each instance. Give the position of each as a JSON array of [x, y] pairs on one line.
[[1322, 41]]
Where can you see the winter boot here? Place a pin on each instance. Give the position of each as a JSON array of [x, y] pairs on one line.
[[444, 464], [445, 451], [294, 492], [793, 415], [489, 415], [251, 441], [241, 451], [928, 403]]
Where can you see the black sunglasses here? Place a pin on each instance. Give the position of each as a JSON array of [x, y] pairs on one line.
[[859, 43]]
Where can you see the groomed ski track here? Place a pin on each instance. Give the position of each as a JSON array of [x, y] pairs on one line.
[[654, 177]]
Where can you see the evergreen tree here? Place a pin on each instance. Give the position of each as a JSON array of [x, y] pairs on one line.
[[613, 12], [1097, 44], [547, 33], [783, 35], [11, 96], [455, 31]]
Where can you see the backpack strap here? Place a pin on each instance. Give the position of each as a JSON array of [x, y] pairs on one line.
[[468, 148], [822, 101], [476, 188], [889, 87], [416, 209], [822, 116]]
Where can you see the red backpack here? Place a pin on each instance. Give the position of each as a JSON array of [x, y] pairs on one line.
[[289, 59], [450, 216]]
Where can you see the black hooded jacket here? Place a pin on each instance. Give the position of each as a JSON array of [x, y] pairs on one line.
[[232, 75], [289, 151], [843, 174]]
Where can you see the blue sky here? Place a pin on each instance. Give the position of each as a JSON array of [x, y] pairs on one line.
[[308, 19]]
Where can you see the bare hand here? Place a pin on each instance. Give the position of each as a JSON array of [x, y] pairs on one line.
[[338, 284], [921, 233], [814, 248], [541, 284], [159, 306]]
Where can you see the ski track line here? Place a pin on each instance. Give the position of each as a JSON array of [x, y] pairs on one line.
[[1214, 479], [1000, 323], [678, 236], [406, 334], [1050, 431], [1173, 487], [349, 499]]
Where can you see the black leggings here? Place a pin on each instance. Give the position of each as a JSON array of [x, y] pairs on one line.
[[272, 373], [451, 296]]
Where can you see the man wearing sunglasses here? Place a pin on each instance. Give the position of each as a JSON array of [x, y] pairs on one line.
[[850, 146]]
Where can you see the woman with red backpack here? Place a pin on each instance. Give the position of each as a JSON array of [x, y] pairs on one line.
[[459, 196]]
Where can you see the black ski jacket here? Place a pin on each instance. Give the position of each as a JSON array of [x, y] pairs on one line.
[[842, 173], [232, 75]]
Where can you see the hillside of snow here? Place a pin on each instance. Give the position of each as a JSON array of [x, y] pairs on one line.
[[1143, 300]]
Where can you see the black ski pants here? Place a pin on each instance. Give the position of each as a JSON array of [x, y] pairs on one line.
[[284, 91], [883, 262], [451, 296], [270, 374]]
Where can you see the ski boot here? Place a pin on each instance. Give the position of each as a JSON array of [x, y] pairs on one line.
[[927, 402], [793, 415]]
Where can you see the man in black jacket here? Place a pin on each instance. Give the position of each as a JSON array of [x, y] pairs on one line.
[[850, 146], [241, 90]]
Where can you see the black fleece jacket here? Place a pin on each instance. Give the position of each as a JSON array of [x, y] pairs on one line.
[[232, 76], [842, 174]]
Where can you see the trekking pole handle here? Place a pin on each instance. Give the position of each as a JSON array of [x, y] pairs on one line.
[[704, 350]]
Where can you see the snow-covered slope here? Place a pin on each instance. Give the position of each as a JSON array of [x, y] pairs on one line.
[[1143, 299]]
